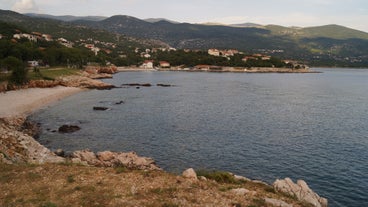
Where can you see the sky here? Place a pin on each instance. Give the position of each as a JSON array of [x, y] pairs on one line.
[[302, 13]]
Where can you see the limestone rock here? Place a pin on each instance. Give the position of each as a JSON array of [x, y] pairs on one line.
[[86, 157], [241, 178], [129, 160], [277, 203], [301, 191], [190, 174], [84, 82], [105, 156], [18, 147], [240, 191]]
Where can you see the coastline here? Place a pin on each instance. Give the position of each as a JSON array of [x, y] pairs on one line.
[[23, 102], [17, 146], [221, 70]]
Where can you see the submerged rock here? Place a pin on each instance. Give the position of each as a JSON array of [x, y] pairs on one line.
[[68, 129], [119, 103], [138, 84], [100, 108], [164, 85], [301, 191]]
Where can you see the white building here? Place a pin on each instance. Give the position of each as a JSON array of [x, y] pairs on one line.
[[148, 64], [33, 63], [214, 52], [30, 37]]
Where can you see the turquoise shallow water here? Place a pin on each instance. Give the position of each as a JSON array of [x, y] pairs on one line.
[[263, 126]]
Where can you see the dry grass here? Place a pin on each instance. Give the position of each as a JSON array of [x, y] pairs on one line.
[[71, 185]]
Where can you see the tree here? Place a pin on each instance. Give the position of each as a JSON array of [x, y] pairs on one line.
[[19, 72]]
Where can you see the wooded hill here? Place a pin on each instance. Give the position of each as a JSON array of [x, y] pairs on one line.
[[330, 45]]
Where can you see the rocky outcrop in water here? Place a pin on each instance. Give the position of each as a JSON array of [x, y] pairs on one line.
[[68, 128], [301, 191], [129, 160]]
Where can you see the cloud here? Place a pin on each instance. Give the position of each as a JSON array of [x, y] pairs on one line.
[[24, 6]]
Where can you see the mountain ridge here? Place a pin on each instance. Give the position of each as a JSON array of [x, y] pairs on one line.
[[329, 45]]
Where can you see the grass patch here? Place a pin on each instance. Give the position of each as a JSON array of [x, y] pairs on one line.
[[219, 176], [53, 73], [48, 204], [43, 74], [31, 176], [257, 202], [164, 191], [70, 179], [119, 170], [170, 205], [5, 178]]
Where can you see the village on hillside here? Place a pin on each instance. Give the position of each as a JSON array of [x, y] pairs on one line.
[[163, 58]]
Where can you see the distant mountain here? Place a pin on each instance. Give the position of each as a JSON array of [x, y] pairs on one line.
[[327, 31], [67, 18], [330, 45], [246, 25], [72, 31], [154, 20]]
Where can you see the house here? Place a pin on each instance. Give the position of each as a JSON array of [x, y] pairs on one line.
[[164, 64], [65, 42], [147, 64], [95, 50], [202, 67], [30, 37], [214, 52], [146, 55], [47, 37], [266, 57], [246, 58], [32, 63]]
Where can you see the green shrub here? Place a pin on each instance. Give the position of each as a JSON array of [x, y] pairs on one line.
[[218, 176], [70, 179]]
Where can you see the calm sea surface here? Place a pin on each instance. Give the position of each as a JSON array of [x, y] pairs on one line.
[[263, 126]]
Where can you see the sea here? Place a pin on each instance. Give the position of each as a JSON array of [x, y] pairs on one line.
[[263, 126]]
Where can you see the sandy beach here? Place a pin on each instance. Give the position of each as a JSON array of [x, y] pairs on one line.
[[25, 101]]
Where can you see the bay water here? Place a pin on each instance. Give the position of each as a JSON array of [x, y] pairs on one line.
[[263, 126]]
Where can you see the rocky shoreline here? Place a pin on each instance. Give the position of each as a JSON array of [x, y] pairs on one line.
[[18, 146]]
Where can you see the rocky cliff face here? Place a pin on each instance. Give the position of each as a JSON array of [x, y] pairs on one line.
[[17, 146]]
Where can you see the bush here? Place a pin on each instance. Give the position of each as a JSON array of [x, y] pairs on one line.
[[19, 72], [218, 176]]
